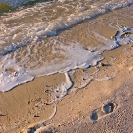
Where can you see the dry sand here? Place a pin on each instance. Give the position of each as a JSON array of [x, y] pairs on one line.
[[103, 106]]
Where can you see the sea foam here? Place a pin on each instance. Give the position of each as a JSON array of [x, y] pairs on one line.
[[27, 28], [74, 56]]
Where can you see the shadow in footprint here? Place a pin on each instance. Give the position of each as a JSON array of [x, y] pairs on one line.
[[30, 130], [94, 116], [108, 108]]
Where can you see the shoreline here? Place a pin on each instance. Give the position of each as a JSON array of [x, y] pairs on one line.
[[26, 104]]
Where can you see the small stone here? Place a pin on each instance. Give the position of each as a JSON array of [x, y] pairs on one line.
[[36, 116], [112, 37], [101, 64]]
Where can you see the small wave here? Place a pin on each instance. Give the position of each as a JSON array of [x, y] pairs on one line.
[[28, 25], [23, 31], [22, 66]]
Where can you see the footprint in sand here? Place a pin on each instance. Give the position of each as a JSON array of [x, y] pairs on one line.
[[29, 130], [94, 116], [40, 129], [108, 108]]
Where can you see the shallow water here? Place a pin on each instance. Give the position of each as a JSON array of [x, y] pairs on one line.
[[30, 47]]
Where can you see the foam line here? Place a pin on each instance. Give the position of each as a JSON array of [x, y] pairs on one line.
[[12, 74], [63, 89]]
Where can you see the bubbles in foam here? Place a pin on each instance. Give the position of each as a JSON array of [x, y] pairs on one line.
[[47, 22], [24, 30], [12, 74], [63, 89], [61, 0], [23, 64]]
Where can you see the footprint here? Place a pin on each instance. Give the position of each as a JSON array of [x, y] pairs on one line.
[[108, 108], [94, 116], [29, 130], [41, 129]]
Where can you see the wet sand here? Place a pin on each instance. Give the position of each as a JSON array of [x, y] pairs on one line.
[[103, 105]]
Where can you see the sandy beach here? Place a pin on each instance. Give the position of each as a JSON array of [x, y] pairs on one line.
[[103, 104]]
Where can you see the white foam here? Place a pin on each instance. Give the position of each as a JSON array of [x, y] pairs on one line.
[[121, 38], [75, 56], [43, 26], [62, 89], [11, 74], [61, 0], [18, 31]]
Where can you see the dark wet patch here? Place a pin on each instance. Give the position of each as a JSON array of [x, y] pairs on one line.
[[94, 116], [108, 108], [31, 130]]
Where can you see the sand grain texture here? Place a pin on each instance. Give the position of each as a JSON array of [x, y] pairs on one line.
[[104, 105]]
